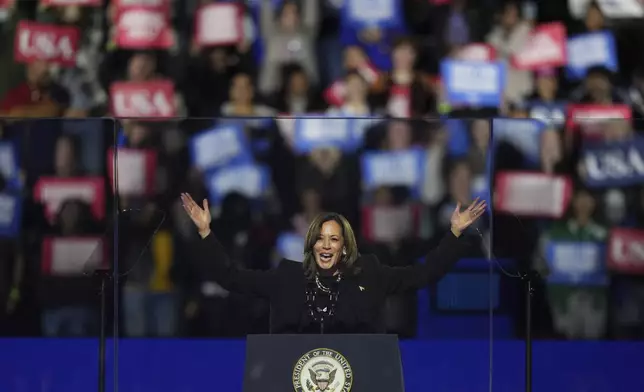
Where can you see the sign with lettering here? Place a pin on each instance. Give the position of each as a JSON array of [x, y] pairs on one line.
[[473, 83], [591, 120], [576, 263], [46, 42], [615, 164], [546, 48], [72, 256], [380, 14], [248, 179], [476, 52], [552, 114], [53, 191], [153, 99], [592, 49], [219, 146], [142, 24], [393, 168], [532, 194], [626, 251], [319, 132]]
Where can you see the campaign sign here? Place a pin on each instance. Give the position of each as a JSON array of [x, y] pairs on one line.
[[588, 50], [72, 256], [614, 164], [9, 166], [153, 99], [576, 263], [393, 168], [591, 120], [523, 134], [626, 251], [473, 83], [391, 223], [382, 14], [66, 3], [552, 114], [219, 24], [136, 171], [10, 214], [156, 5], [290, 246], [545, 48], [143, 28], [52, 192], [46, 42], [218, 146], [477, 52], [319, 132], [248, 179], [532, 194]]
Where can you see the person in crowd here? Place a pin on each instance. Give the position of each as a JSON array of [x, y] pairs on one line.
[[290, 34], [305, 296], [297, 96]]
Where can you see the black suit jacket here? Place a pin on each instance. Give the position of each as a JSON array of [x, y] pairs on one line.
[[361, 293]]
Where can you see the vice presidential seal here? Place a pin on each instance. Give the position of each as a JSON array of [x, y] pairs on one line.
[[322, 370]]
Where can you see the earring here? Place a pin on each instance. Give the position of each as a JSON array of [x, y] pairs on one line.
[[344, 252]]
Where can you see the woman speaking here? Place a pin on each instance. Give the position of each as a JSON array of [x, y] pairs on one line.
[[335, 289]]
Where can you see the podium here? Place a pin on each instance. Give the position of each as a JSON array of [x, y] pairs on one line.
[[323, 363]]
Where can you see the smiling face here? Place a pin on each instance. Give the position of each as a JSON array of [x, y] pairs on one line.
[[329, 246]]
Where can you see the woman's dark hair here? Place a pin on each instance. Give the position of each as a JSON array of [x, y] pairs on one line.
[[312, 235], [86, 223]]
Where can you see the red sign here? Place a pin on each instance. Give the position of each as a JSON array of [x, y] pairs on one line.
[[53, 191], [5, 4], [626, 251], [143, 24], [64, 3], [73, 256], [476, 52], [532, 194], [545, 48], [389, 224], [591, 119], [153, 99], [46, 42], [219, 24], [136, 171]]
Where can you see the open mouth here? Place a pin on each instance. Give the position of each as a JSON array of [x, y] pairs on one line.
[[326, 257]]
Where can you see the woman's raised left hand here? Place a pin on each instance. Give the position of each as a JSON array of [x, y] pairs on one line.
[[461, 220]]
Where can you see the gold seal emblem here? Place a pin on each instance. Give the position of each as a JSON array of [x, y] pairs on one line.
[[322, 370]]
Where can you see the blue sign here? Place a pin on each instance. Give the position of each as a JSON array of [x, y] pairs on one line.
[[247, 179], [614, 164], [575, 263], [472, 83], [458, 142], [318, 132], [291, 246], [394, 168], [361, 14], [219, 146], [589, 50], [523, 134], [10, 214], [553, 114], [9, 165]]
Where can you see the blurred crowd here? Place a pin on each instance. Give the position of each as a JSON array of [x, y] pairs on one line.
[[389, 112]]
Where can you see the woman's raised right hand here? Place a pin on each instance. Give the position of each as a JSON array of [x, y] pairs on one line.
[[200, 215]]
